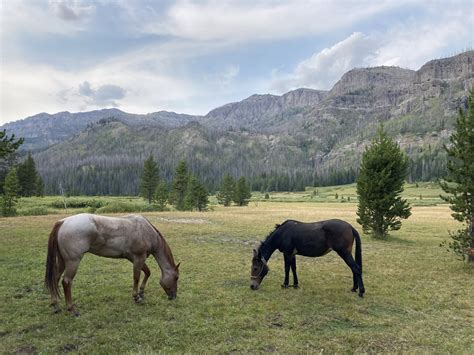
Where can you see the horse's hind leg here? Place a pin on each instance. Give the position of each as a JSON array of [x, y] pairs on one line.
[[356, 272], [54, 298], [147, 273], [71, 267], [293, 270]]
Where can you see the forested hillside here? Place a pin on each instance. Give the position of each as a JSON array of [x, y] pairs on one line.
[[304, 137]]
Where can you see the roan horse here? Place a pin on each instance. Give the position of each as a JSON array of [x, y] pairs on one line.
[[132, 237], [308, 239]]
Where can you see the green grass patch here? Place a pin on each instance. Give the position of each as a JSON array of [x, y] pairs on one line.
[[418, 299]]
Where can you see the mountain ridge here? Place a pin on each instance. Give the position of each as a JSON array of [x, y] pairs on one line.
[[306, 135]]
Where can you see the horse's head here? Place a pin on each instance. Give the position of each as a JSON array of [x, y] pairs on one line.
[[259, 269], [169, 282]]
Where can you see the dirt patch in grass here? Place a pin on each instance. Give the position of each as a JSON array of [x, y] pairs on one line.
[[27, 349], [185, 220]]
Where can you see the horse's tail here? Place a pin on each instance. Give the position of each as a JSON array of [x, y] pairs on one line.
[[52, 261], [358, 252]]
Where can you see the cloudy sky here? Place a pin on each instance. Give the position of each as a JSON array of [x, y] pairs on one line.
[[191, 56]]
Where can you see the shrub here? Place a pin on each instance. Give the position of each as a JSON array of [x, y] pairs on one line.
[[78, 203], [118, 207], [34, 211]]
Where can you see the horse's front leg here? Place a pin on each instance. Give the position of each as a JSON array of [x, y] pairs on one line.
[[287, 270], [293, 270], [138, 263], [147, 273]]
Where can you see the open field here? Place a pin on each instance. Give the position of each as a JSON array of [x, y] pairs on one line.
[[420, 194], [419, 297]]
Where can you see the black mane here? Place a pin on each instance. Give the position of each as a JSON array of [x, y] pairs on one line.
[[277, 226]]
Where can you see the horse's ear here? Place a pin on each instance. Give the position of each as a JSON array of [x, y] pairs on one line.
[[259, 254], [255, 254], [177, 266]]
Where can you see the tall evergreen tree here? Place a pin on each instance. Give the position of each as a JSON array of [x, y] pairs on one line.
[[459, 182], [8, 147], [226, 191], [161, 195], [242, 192], [150, 179], [39, 186], [10, 196], [179, 185], [197, 196], [27, 176], [380, 182]]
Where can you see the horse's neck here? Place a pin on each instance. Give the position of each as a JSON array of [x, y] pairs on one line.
[[163, 256], [270, 246]]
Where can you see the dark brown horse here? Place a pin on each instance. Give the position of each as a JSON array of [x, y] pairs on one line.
[[309, 239], [132, 237]]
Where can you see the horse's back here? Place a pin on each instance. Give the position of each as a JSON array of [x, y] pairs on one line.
[[114, 237], [317, 238]]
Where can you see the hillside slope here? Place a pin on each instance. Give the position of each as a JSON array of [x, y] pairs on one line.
[[300, 138]]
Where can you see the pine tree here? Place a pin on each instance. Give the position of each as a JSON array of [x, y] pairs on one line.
[[202, 199], [27, 176], [242, 192], [8, 147], [179, 185], [150, 179], [39, 186], [379, 185], [460, 181], [161, 195], [196, 195], [10, 196], [226, 191]]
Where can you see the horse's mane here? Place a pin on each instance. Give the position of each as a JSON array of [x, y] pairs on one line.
[[166, 247], [277, 226], [267, 238]]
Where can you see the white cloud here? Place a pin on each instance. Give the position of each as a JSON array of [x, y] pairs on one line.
[[232, 21], [407, 45], [322, 69], [104, 95], [71, 10]]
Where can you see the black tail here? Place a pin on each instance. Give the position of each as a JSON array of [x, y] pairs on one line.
[[52, 260], [358, 252]]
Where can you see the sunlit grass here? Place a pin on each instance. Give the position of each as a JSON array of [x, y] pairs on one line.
[[419, 297]]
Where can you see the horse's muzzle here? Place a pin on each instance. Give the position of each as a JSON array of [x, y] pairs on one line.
[[172, 296], [254, 285]]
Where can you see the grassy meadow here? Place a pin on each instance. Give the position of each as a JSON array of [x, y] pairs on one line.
[[419, 298]]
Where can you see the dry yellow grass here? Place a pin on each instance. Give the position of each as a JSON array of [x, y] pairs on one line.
[[419, 297]]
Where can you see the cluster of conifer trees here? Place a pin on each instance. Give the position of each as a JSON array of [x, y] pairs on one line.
[[16, 180], [186, 192]]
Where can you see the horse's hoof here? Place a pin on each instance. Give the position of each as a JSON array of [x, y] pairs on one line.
[[296, 287], [56, 310], [284, 286], [73, 311], [353, 289], [141, 294], [138, 299], [361, 295]]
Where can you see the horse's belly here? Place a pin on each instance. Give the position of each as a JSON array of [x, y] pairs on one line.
[[107, 252], [111, 248], [315, 253]]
